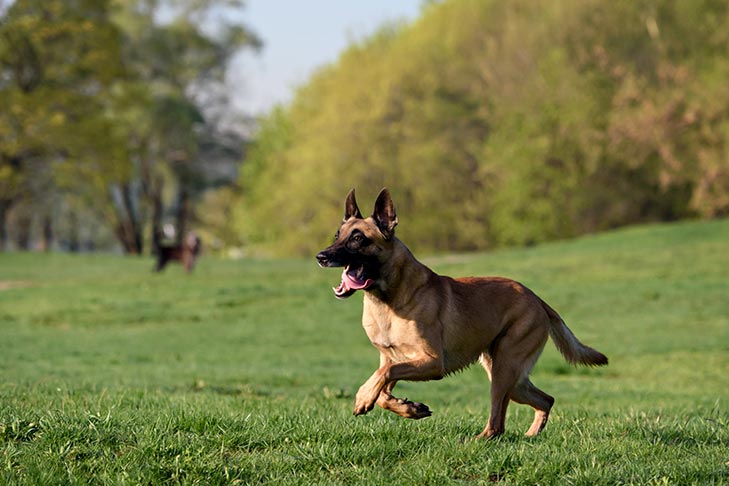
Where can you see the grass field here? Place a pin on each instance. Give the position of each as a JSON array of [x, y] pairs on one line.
[[245, 372]]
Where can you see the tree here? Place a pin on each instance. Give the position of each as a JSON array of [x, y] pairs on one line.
[[168, 132], [57, 63], [105, 101], [500, 123]]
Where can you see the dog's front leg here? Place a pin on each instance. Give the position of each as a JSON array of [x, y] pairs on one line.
[[401, 406], [420, 369]]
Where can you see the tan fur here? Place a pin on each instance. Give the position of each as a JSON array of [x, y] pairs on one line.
[[427, 326]]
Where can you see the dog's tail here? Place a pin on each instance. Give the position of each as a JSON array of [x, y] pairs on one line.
[[567, 343]]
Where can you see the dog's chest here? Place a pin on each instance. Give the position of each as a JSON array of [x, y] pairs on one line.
[[392, 335]]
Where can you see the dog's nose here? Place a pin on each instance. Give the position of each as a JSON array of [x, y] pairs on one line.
[[322, 259]]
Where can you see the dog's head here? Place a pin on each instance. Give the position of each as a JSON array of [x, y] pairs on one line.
[[361, 245]]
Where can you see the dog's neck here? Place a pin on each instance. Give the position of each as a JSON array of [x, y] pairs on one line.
[[404, 275]]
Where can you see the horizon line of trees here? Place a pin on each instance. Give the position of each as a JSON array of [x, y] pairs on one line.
[[493, 123], [504, 123]]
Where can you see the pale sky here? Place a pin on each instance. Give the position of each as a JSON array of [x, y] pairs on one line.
[[298, 37]]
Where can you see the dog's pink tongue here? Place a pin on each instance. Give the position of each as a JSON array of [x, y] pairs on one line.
[[353, 282], [350, 283]]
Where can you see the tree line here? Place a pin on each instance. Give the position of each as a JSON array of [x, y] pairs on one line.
[[114, 118], [493, 123], [504, 123]]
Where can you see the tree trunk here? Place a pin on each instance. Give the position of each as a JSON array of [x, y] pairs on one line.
[[124, 232], [155, 196], [23, 224], [46, 242], [4, 208], [133, 231], [73, 243], [182, 215]]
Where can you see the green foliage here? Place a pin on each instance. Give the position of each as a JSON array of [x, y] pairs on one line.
[[499, 123], [244, 372], [58, 63], [110, 106]]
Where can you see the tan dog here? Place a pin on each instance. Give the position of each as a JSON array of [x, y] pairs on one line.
[[427, 326]]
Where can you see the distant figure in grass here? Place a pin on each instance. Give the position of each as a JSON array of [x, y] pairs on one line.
[[186, 253]]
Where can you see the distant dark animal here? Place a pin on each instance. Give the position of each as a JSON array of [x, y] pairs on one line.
[[186, 253], [427, 326]]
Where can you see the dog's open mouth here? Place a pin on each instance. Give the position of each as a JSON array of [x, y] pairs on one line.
[[353, 279]]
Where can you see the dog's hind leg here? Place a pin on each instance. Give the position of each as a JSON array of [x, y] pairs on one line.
[[525, 392], [498, 407], [401, 406], [508, 364], [501, 383]]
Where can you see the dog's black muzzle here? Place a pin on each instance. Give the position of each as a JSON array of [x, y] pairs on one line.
[[323, 259], [328, 258]]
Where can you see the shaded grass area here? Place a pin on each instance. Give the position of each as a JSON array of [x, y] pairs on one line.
[[244, 372]]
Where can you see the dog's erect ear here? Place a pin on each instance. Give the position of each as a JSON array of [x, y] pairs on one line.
[[350, 207], [384, 214]]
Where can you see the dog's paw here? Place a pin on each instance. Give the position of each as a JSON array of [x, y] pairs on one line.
[[362, 405], [366, 397], [417, 410], [489, 433], [361, 408]]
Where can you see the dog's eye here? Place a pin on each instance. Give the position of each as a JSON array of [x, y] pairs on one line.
[[359, 240]]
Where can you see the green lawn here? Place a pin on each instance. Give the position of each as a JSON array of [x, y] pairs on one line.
[[245, 372]]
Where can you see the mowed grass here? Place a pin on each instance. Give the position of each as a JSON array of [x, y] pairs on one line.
[[245, 371]]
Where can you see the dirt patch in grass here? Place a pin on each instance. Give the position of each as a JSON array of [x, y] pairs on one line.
[[14, 284]]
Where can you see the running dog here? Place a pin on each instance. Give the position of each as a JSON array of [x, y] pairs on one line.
[[427, 326], [186, 253]]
